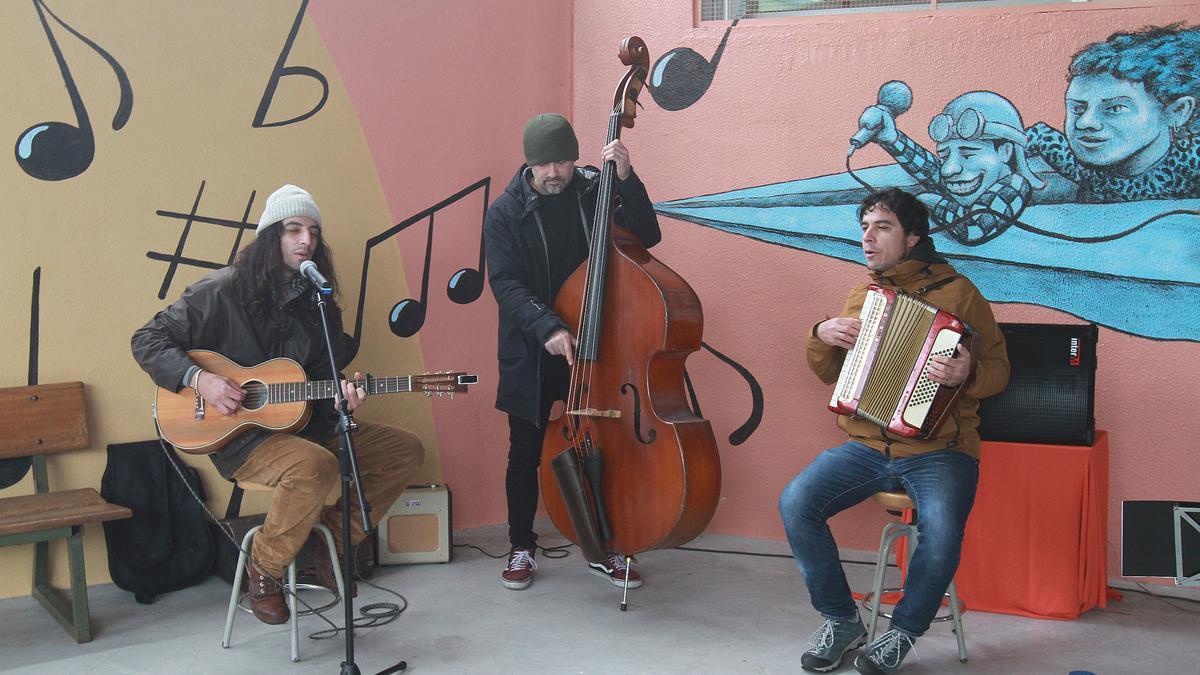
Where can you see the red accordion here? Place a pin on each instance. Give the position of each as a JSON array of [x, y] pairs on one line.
[[884, 378]]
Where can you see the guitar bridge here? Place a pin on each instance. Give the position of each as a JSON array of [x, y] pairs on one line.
[[199, 409]]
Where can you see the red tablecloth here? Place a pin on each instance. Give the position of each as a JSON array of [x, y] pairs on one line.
[[1036, 541]]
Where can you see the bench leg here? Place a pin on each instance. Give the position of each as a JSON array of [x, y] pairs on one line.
[[72, 615]]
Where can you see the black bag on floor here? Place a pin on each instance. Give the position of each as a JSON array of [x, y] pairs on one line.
[[167, 544]]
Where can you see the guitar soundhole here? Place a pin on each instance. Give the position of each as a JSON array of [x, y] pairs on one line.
[[256, 395]]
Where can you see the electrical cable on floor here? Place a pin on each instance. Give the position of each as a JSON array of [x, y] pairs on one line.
[[551, 552], [555, 552], [770, 555], [1165, 599]]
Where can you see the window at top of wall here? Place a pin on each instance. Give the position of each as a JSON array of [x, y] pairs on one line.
[[725, 10]]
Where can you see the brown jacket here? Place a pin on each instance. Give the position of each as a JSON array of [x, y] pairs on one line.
[[989, 372]]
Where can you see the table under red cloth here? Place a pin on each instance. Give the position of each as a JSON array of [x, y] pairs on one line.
[[1036, 542]]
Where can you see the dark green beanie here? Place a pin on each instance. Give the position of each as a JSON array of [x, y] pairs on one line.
[[550, 138]]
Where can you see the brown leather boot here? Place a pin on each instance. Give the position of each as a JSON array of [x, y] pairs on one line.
[[266, 597], [325, 575]]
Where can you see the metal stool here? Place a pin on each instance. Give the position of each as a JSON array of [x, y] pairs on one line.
[[290, 585], [896, 502]]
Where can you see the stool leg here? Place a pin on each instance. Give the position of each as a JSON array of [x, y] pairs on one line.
[[333, 555], [237, 585], [885, 544], [291, 584], [958, 627]]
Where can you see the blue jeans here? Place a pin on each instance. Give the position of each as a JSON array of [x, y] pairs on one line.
[[941, 484]]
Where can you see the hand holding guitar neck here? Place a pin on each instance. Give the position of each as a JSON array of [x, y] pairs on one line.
[[354, 392]]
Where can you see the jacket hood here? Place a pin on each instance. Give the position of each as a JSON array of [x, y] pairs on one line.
[[924, 251]]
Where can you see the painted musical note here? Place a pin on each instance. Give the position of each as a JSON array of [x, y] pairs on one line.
[[681, 76], [13, 469], [58, 150], [281, 71], [465, 286], [177, 258]]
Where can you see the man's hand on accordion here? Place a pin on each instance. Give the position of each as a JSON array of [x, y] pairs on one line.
[[839, 332], [950, 370]]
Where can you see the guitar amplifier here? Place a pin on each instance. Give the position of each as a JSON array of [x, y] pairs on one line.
[[1051, 393], [417, 527]]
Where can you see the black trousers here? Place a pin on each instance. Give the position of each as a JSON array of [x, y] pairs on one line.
[[525, 454]]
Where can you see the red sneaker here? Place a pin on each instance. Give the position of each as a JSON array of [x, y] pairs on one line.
[[518, 574], [614, 569]]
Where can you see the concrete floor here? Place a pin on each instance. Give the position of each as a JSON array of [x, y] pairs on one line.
[[697, 613]]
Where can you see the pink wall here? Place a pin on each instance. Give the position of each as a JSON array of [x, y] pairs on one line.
[[784, 101], [442, 91], [442, 106]]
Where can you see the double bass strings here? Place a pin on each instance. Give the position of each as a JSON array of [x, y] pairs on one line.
[[579, 391]]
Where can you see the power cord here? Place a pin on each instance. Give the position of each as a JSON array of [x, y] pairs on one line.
[[770, 555], [551, 552]]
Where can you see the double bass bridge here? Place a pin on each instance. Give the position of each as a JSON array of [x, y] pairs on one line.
[[594, 412]]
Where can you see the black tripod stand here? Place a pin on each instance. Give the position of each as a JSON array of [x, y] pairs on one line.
[[348, 465]]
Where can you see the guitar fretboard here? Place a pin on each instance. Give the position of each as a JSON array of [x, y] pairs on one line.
[[290, 392]]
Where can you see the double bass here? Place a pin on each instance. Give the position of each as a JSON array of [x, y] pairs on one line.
[[631, 467]]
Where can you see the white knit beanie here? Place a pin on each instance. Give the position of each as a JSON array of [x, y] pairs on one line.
[[286, 202]]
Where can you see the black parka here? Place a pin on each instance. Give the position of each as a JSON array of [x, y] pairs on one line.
[[517, 261], [207, 316]]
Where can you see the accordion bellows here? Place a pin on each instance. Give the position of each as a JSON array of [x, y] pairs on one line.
[[883, 378]]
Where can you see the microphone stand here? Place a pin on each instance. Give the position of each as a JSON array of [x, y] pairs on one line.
[[348, 464]]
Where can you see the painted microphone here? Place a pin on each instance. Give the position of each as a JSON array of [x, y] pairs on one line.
[[895, 97]]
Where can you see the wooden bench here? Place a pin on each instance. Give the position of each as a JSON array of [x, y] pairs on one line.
[[38, 421]]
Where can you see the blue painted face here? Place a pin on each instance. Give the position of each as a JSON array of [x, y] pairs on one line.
[[971, 166], [1115, 124]]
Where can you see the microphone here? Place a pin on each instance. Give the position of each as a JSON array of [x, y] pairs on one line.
[[894, 97], [309, 269]]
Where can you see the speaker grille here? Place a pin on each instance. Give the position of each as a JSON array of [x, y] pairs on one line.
[[1050, 396]]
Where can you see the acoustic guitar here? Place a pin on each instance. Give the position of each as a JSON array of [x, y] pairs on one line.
[[278, 398]]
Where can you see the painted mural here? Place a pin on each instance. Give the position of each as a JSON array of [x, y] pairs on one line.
[[1068, 219], [115, 223]]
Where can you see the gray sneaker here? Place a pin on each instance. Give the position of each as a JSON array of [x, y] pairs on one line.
[[828, 646], [885, 654]]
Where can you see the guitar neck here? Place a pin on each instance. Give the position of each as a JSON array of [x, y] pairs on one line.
[[313, 390]]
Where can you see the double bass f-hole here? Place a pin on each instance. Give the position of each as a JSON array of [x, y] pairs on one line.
[[637, 415]]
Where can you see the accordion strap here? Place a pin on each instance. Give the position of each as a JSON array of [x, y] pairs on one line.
[[937, 284]]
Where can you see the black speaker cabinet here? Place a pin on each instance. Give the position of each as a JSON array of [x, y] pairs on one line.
[[1148, 544], [1051, 393]]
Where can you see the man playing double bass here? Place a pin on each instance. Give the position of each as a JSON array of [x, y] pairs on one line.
[[536, 233]]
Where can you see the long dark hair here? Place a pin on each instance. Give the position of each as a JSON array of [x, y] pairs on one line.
[[259, 272]]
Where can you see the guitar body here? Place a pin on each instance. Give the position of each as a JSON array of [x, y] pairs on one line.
[[176, 412]]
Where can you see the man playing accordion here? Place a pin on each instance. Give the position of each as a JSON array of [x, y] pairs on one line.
[[939, 473]]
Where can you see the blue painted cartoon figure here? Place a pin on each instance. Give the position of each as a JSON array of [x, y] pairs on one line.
[[1131, 118], [978, 181]]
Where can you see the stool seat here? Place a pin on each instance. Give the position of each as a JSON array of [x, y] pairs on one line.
[[895, 501]]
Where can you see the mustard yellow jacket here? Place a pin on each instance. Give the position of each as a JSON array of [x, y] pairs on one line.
[[990, 367]]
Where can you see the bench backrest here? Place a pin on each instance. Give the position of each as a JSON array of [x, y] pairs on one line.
[[43, 419]]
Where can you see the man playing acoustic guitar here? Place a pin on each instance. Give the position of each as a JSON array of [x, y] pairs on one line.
[[258, 309]]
